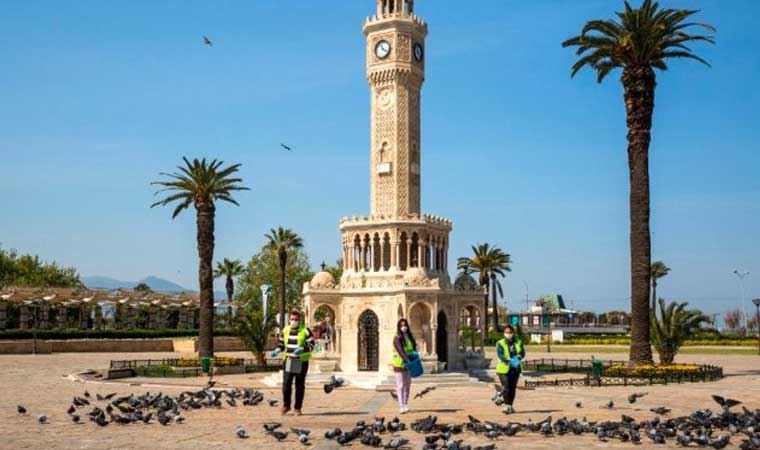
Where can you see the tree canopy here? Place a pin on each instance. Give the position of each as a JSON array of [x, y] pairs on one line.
[[31, 271], [264, 268]]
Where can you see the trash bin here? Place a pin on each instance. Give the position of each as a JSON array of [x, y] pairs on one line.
[[414, 366], [596, 368], [206, 364]]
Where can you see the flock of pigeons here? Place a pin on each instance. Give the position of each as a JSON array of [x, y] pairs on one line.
[[701, 428]]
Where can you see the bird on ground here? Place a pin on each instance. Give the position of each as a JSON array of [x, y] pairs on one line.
[[71, 410], [660, 410], [334, 433], [240, 432], [720, 442], [271, 426], [272, 402], [279, 435], [286, 147], [20, 409], [424, 392], [303, 438], [99, 397], [109, 396], [86, 394], [207, 41], [635, 396], [42, 419], [397, 443], [610, 404], [578, 405]]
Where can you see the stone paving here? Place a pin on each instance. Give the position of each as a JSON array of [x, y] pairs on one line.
[[40, 383]]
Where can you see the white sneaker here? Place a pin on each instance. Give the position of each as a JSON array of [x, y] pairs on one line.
[[406, 409], [402, 411]]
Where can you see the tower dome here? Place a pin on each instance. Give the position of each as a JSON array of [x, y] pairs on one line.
[[322, 280]]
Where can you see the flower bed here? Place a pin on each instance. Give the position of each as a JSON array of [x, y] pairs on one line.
[[647, 371]]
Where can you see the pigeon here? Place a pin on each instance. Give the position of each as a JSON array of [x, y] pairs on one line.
[[272, 402], [635, 396], [240, 432], [334, 433], [725, 403], [333, 384], [424, 392], [109, 396], [75, 418], [42, 419], [279, 435], [71, 410], [721, 441], [303, 438], [271, 426], [207, 41], [286, 147], [610, 404], [397, 443], [20, 409], [99, 397], [660, 410], [578, 405], [300, 431]]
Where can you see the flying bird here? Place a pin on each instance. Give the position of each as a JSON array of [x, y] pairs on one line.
[[726, 403], [424, 392], [286, 147], [635, 396], [207, 41]]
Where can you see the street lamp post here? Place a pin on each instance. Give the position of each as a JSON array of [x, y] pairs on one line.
[[741, 275], [266, 291], [757, 322]]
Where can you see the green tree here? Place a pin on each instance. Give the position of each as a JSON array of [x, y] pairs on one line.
[[264, 268], [142, 287], [658, 270], [489, 263], [675, 325], [254, 328], [230, 270], [201, 183], [638, 42], [31, 271], [335, 270], [282, 241]]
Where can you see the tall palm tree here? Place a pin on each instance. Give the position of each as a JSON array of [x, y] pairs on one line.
[[638, 42], [283, 240], [230, 270], [489, 263], [201, 183], [657, 271]]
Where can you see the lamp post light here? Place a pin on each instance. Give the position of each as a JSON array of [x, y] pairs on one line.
[[757, 322], [741, 275]]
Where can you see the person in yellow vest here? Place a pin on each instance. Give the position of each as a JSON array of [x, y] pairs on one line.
[[510, 353], [404, 347], [296, 342]]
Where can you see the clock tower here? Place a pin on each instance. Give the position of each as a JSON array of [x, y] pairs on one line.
[[395, 71]]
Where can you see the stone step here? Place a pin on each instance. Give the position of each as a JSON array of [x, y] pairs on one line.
[[438, 379]]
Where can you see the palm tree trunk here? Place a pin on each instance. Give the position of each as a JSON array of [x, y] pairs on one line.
[[283, 264], [494, 303], [639, 85], [230, 291], [654, 297], [205, 237]]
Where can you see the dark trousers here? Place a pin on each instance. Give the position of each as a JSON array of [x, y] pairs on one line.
[[287, 386], [509, 385]]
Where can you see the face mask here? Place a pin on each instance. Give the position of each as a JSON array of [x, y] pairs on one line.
[[509, 336], [404, 329], [294, 323]]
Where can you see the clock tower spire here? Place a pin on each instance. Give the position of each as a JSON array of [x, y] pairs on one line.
[[395, 71]]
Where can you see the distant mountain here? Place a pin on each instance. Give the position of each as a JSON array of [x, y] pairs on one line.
[[155, 283]]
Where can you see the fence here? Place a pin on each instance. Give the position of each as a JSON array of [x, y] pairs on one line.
[[705, 373], [168, 368]]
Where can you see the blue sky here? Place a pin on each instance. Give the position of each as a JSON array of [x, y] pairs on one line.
[[99, 97]]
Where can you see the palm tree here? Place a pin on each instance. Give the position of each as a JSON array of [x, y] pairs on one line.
[[638, 42], [657, 271], [281, 241], [490, 263], [675, 325], [229, 269], [201, 183]]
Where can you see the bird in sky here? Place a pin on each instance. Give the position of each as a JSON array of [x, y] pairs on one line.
[[207, 41], [286, 147]]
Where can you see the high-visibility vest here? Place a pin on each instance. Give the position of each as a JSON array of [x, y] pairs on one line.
[[303, 333], [397, 361], [503, 367]]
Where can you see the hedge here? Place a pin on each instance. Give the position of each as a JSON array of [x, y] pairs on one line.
[[105, 334]]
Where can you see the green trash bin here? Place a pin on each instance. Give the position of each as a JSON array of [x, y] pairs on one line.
[[596, 368], [206, 364]]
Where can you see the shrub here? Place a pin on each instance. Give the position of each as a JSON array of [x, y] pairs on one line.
[[105, 334], [673, 327], [653, 371], [219, 361]]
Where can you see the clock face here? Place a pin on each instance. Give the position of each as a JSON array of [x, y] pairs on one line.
[[383, 49], [418, 52]]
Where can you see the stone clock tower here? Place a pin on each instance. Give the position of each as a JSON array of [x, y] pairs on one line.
[[395, 71], [395, 260]]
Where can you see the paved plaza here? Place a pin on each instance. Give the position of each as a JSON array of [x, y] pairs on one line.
[[42, 384]]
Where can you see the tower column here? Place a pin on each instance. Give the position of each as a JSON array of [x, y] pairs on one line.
[[394, 254], [408, 253], [420, 253]]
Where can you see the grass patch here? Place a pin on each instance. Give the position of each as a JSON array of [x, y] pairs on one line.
[[692, 350]]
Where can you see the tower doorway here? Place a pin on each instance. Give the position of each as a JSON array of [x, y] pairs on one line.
[[368, 342], [441, 338]]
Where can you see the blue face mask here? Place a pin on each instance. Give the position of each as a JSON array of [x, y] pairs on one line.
[[509, 336]]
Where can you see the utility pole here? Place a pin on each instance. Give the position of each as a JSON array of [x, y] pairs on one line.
[[527, 301], [757, 322], [741, 275]]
